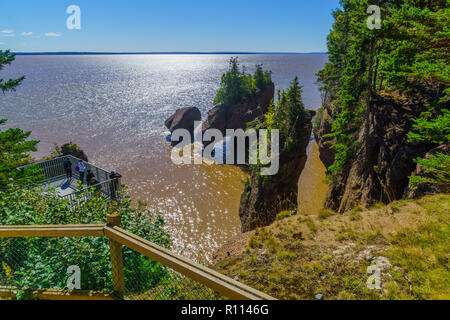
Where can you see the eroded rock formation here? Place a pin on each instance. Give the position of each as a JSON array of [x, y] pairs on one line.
[[326, 153], [184, 119], [237, 116], [383, 159], [265, 197]]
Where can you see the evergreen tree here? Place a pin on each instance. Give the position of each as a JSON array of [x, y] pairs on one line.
[[14, 146], [409, 55], [238, 86], [6, 57]]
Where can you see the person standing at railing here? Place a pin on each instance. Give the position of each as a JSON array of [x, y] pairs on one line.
[[115, 183], [81, 170], [68, 168], [94, 182], [89, 177]]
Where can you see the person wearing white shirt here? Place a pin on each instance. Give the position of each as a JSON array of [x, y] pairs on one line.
[[81, 170]]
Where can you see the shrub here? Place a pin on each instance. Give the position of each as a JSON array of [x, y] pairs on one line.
[[41, 263]]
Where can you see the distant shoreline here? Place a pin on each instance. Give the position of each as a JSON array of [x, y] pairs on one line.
[[166, 53]]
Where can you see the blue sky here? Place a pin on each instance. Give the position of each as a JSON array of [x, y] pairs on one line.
[[167, 25]]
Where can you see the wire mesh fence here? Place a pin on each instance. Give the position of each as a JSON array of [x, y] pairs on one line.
[[43, 263], [29, 264], [146, 279]]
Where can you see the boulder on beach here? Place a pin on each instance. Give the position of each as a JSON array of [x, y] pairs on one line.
[[184, 119]]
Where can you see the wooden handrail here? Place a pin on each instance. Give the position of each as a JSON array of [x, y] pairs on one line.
[[52, 231], [212, 279]]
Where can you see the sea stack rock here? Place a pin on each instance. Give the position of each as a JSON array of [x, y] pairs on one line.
[[262, 197], [237, 116], [184, 119]]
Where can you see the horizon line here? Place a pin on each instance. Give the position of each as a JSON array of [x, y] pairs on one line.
[[161, 52]]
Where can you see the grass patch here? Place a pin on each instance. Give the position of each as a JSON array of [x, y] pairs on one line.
[[333, 262], [284, 214], [357, 209], [311, 225], [325, 214], [355, 216]]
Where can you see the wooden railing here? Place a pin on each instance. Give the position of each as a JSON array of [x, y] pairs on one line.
[[118, 237]]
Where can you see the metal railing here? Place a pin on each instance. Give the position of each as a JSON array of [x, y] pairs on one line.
[[110, 188], [136, 268], [54, 169]]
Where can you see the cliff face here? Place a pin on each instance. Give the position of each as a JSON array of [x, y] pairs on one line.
[[383, 160], [326, 152], [237, 116], [265, 197]]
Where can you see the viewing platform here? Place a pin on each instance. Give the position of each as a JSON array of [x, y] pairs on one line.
[[55, 178]]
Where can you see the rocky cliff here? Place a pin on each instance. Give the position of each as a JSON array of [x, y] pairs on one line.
[[237, 116], [265, 197], [383, 159], [326, 153]]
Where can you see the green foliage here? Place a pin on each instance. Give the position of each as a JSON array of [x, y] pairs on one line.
[[42, 263], [261, 79], [14, 146], [285, 116], [238, 86], [432, 130], [284, 214], [6, 57], [348, 75], [423, 252], [408, 54], [14, 152], [418, 35], [318, 118], [295, 269], [437, 170]]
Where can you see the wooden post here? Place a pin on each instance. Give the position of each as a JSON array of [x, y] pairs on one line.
[[116, 257]]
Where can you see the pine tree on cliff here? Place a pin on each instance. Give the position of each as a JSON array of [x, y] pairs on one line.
[[14, 146], [234, 85], [408, 57], [238, 86], [265, 196]]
